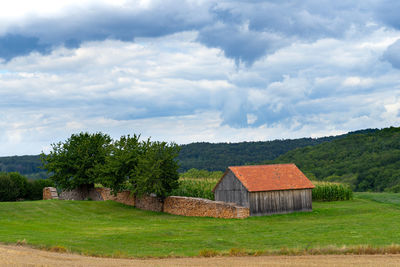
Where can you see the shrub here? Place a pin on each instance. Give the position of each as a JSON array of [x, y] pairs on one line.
[[21, 183], [325, 191], [9, 190], [393, 189], [35, 188], [14, 186]]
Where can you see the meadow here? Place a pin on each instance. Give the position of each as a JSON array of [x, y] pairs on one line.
[[115, 230]]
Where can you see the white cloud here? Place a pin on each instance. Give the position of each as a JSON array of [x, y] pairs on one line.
[[251, 118], [21, 8], [357, 81]]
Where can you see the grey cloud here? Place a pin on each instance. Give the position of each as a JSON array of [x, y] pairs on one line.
[[240, 44], [12, 45], [271, 25], [392, 54], [101, 23], [388, 11], [244, 31], [295, 18]]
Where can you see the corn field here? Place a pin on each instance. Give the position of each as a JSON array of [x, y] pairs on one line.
[[202, 187], [325, 191], [196, 187]]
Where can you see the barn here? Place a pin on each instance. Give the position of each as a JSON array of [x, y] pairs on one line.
[[266, 189]]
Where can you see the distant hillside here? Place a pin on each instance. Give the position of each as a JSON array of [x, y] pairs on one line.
[[368, 161], [217, 157], [207, 156], [26, 165]]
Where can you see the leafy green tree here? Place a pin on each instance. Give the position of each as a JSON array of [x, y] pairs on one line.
[[157, 169], [121, 163], [74, 163]]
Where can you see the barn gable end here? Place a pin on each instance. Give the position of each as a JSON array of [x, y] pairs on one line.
[[230, 189]]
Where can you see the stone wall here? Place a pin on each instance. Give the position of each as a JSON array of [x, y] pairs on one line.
[[81, 193], [189, 206], [124, 197], [151, 202], [50, 193], [185, 206]]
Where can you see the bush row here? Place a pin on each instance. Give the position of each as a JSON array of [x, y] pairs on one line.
[[14, 186], [326, 191]]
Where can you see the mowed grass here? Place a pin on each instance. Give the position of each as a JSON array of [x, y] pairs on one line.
[[112, 229]]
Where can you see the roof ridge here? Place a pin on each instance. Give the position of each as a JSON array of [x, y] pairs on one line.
[[258, 165]]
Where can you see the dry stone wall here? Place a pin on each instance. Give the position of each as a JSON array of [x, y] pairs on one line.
[[185, 206], [151, 202], [189, 206], [124, 197], [83, 193]]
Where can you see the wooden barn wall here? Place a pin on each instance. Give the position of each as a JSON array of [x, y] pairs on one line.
[[283, 201], [230, 189]]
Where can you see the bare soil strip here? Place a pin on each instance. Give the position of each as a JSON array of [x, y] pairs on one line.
[[24, 256]]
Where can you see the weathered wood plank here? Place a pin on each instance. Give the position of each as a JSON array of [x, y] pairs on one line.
[[280, 201], [230, 189]]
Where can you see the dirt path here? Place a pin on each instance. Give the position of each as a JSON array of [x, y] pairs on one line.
[[23, 256]]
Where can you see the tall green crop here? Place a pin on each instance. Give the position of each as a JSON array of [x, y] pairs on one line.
[[197, 187], [325, 191]]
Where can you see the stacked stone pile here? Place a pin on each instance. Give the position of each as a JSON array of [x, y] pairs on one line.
[[151, 202], [189, 206], [50, 193], [82, 193]]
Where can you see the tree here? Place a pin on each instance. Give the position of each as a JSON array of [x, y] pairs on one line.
[[157, 169], [75, 162], [121, 163]]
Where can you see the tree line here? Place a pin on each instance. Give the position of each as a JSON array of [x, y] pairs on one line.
[[217, 157], [204, 156]]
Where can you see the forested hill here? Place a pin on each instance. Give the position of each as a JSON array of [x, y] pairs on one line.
[[217, 157], [207, 156], [26, 165], [368, 161]]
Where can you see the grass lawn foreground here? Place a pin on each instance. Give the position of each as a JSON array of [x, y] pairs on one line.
[[113, 229]]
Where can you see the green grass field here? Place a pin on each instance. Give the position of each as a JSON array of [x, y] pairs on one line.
[[112, 229]]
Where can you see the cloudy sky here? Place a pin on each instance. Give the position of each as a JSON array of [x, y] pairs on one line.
[[189, 71]]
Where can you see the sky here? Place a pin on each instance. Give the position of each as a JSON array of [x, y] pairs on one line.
[[195, 71]]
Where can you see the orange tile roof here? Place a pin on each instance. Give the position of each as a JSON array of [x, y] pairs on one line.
[[271, 177]]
